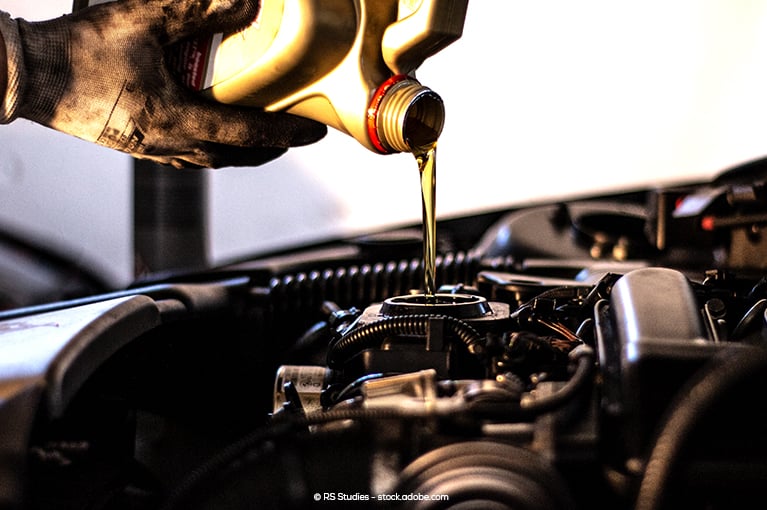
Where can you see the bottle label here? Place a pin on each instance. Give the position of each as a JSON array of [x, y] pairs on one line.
[[206, 61], [191, 61]]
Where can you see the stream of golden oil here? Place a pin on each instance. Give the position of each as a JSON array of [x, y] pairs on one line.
[[427, 166]]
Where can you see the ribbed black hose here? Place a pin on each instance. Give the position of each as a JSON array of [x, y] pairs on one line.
[[359, 285], [373, 334]]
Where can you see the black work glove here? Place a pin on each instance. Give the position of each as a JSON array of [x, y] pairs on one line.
[[101, 75]]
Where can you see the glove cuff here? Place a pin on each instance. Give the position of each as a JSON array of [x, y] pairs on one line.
[[9, 105], [46, 68]]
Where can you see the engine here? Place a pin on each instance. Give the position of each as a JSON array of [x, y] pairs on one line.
[[605, 353], [585, 394]]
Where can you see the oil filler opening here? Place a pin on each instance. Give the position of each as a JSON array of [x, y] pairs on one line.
[[460, 306]]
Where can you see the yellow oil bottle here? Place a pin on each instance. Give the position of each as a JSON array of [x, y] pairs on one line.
[[349, 64]]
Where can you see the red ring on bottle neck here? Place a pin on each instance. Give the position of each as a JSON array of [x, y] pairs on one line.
[[378, 96]]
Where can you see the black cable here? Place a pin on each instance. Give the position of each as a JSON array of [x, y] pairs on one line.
[[352, 387], [583, 357], [582, 365]]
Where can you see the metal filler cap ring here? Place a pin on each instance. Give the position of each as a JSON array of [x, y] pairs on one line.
[[459, 306]]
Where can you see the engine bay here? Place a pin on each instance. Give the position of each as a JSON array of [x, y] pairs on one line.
[[607, 352]]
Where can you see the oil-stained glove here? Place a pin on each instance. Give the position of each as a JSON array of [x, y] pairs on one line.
[[100, 74]]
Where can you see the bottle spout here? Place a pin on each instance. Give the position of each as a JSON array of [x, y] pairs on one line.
[[405, 116]]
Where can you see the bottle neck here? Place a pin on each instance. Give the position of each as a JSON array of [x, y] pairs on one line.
[[405, 116]]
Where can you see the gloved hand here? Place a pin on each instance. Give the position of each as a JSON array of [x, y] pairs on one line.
[[100, 74]]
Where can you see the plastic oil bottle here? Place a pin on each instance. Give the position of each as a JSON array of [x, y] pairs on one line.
[[346, 63], [349, 64]]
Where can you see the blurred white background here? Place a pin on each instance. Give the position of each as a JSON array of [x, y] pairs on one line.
[[544, 99]]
